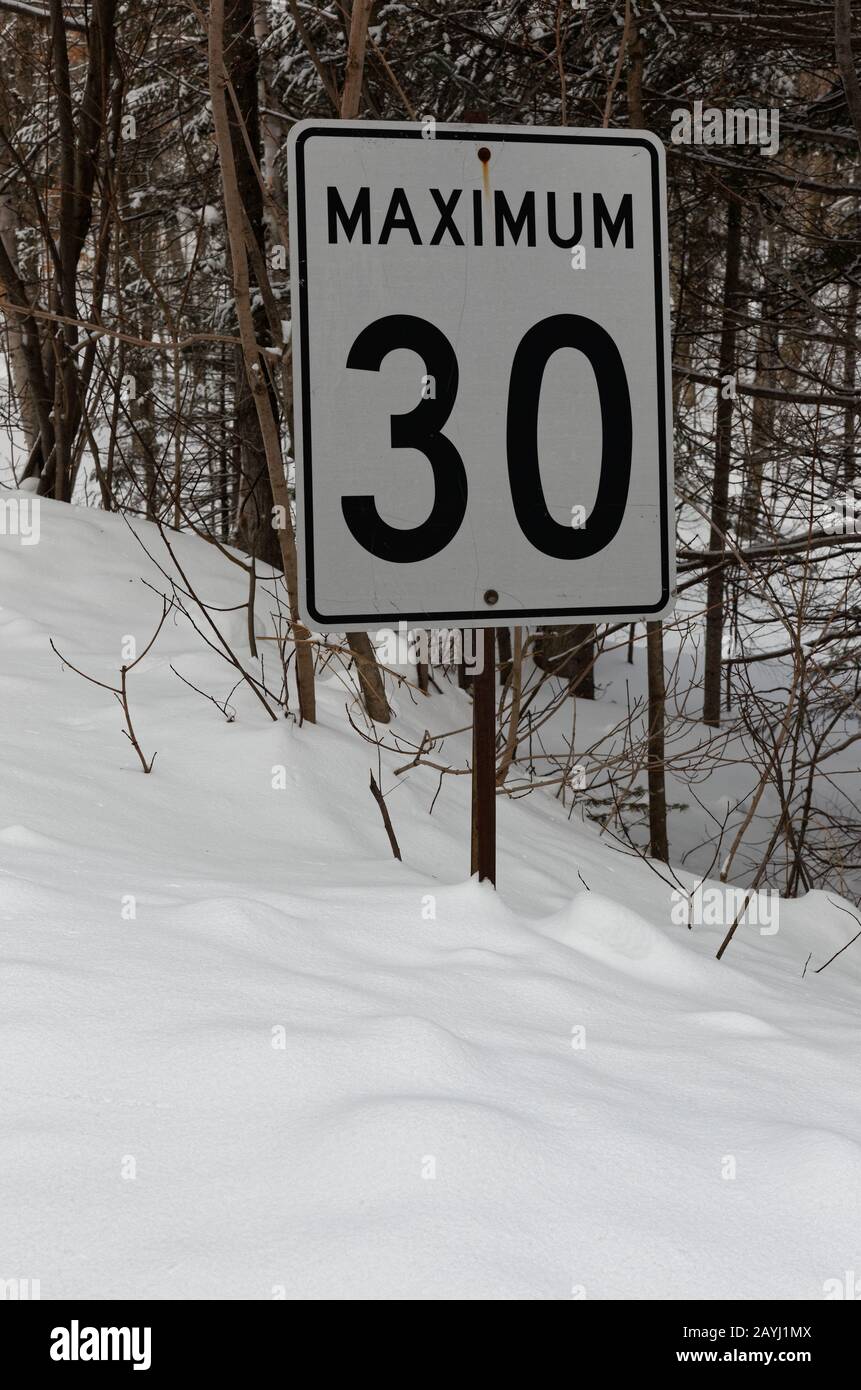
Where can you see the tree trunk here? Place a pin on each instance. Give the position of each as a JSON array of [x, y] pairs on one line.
[[14, 333], [850, 370], [79, 145], [569, 652], [370, 677], [846, 62], [372, 687], [654, 631], [233, 214], [720, 485], [140, 363], [763, 409], [515, 679], [503, 647], [658, 846], [254, 530], [359, 19]]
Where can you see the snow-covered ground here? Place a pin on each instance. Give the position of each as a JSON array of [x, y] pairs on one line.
[[245, 1052]]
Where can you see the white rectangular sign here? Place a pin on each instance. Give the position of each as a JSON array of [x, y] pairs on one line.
[[480, 343]]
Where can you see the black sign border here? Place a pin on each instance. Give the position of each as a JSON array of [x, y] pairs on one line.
[[494, 617]]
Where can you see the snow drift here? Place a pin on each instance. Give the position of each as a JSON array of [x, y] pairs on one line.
[[246, 1054]]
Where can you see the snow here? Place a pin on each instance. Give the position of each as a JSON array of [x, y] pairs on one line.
[[337, 1076]]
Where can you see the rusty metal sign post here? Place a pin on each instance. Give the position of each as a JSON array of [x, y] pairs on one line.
[[484, 763]]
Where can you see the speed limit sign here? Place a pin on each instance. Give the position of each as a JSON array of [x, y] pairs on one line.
[[480, 347]]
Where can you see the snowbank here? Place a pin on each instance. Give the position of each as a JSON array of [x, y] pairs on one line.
[[246, 1053]]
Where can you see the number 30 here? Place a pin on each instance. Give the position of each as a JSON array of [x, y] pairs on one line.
[[421, 428]]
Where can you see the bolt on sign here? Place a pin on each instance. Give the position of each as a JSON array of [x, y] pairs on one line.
[[481, 373]]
